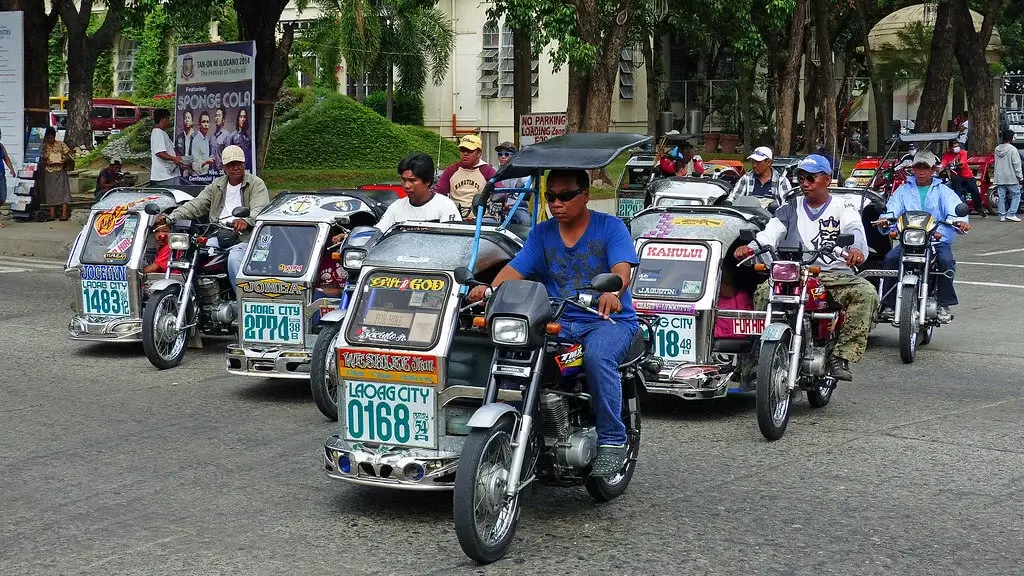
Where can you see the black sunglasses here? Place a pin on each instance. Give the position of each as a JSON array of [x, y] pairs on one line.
[[562, 197], [806, 176], [506, 154]]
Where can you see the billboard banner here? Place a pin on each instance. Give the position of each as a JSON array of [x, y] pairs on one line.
[[12, 92], [214, 107]]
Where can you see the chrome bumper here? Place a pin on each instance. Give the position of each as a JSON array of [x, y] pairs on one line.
[[272, 363], [695, 381], [114, 330], [387, 466]]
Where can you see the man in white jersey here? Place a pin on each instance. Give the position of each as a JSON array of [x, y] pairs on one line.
[[420, 203], [814, 222]]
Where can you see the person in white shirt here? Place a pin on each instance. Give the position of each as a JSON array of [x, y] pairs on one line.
[[164, 162], [815, 222], [234, 189], [420, 204]]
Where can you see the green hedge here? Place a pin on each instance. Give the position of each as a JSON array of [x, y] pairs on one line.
[[407, 108], [338, 133]]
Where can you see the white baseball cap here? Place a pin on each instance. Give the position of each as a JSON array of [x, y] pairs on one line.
[[232, 154], [761, 153]]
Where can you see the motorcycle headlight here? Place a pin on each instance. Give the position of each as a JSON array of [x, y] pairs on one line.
[[915, 237], [509, 331], [353, 259], [785, 272], [178, 241]]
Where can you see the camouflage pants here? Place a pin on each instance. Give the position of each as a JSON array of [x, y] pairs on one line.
[[857, 296]]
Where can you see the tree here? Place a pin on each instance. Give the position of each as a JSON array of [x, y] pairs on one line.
[[970, 54], [826, 76], [782, 30], [83, 50], [257, 21], [931, 112], [880, 93], [38, 23]]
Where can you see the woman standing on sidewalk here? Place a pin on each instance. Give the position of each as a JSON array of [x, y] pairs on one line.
[[6, 159], [56, 187]]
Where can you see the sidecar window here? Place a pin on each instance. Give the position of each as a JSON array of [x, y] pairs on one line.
[[111, 238], [281, 251], [674, 271]]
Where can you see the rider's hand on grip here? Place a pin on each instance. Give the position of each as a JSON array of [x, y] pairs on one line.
[[743, 252], [854, 257], [962, 227], [478, 293], [608, 304]]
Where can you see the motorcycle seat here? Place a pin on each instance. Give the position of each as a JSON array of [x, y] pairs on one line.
[[636, 350]]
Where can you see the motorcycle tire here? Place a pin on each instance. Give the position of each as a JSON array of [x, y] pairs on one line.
[[474, 474], [159, 355], [771, 397], [909, 324], [607, 489], [323, 379], [819, 396]]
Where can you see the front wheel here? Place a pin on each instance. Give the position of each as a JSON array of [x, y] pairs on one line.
[[606, 489], [164, 345], [773, 395], [485, 518], [323, 378], [909, 324]]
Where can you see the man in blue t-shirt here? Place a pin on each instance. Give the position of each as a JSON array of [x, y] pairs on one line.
[[565, 253]]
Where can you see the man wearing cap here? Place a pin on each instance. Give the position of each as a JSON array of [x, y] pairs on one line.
[[815, 222], [235, 188], [109, 178], [466, 178], [505, 151], [762, 181], [925, 192]]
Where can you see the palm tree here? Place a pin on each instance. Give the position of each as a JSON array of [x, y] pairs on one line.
[[379, 36]]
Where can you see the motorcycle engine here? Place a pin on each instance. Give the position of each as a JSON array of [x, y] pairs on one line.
[[575, 447], [208, 291]]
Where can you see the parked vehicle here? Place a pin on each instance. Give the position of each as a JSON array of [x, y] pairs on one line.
[[631, 189], [111, 115], [292, 248], [106, 264], [686, 191], [984, 167], [785, 166]]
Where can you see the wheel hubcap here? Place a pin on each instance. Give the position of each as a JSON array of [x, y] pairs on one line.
[[779, 387], [493, 510], [167, 340]]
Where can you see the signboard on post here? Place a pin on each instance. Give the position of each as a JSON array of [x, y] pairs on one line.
[[12, 92], [214, 107], [535, 128]]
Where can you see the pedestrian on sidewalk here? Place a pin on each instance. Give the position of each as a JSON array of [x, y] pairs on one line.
[[3, 176], [56, 186], [163, 162], [1008, 178]]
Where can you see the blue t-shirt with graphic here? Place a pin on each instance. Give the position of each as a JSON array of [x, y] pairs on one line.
[[546, 259]]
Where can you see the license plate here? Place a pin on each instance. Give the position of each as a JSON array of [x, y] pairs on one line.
[[628, 207], [272, 323], [105, 298], [674, 338], [390, 413]]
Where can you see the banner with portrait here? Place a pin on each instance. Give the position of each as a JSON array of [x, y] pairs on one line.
[[214, 107]]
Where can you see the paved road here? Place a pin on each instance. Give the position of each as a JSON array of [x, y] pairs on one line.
[[108, 466]]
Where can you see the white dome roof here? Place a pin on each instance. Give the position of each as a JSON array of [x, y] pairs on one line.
[[888, 28]]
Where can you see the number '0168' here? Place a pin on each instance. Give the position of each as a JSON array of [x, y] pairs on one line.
[[376, 421]]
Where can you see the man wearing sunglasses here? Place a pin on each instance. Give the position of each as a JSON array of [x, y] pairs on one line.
[[505, 151], [565, 253], [814, 222]]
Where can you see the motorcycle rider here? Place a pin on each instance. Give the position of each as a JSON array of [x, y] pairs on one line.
[[925, 192], [235, 188], [564, 253], [961, 175], [815, 222], [762, 181]]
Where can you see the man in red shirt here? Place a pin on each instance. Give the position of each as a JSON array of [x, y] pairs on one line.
[[466, 178], [962, 176]]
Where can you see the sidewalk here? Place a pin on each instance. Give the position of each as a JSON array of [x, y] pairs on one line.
[[50, 240]]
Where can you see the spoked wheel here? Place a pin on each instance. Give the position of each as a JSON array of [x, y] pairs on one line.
[[773, 397], [164, 345], [910, 324], [323, 375], [605, 489], [819, 396], [485, 519]]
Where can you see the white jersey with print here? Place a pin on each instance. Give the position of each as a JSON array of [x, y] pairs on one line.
[[796, 223], [439, 207]]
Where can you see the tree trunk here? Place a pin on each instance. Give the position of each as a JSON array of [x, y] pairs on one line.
[[826, 78], [931, 112], [811, 100], [787, 81], [81, 60], [597, 116], [522, 77], [579, 92], [391, 93], [653, 65], [970, 53], [878, 91], [592, 109], [747, 79], [257, 21], [37, 28]]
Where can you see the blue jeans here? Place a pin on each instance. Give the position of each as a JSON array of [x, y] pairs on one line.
[[235, 255], [945, 294], [604, 348], [1004, 191], [3, 186]]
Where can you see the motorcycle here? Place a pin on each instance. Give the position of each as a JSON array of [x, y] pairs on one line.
[[916, 312], [203, 300], [549, 436], [796, 349]]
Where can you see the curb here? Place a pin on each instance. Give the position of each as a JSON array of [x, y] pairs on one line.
[[36, 248]]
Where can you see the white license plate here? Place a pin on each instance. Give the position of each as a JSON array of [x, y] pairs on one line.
[[400, 414], [105, 298], [675, 338], [272, 323]]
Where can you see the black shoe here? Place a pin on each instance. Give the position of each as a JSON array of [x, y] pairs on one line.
[[609, 461], [839, 369]]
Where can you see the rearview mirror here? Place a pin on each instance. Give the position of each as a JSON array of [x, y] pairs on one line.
[[607, 282], [463, 275], [747, 235], [962, 210], [240, 212], [343, 221], [152, 208], [844, 240]]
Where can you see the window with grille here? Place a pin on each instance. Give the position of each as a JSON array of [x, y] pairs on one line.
[[489, 62], [626, 73], [497, 65], [125, 63]]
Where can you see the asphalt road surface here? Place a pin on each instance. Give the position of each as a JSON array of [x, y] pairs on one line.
[[108, 466]]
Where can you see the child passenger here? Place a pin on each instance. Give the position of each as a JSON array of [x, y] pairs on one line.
[[163, 251]]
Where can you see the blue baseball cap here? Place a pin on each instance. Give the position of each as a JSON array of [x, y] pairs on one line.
[[815, 164]]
